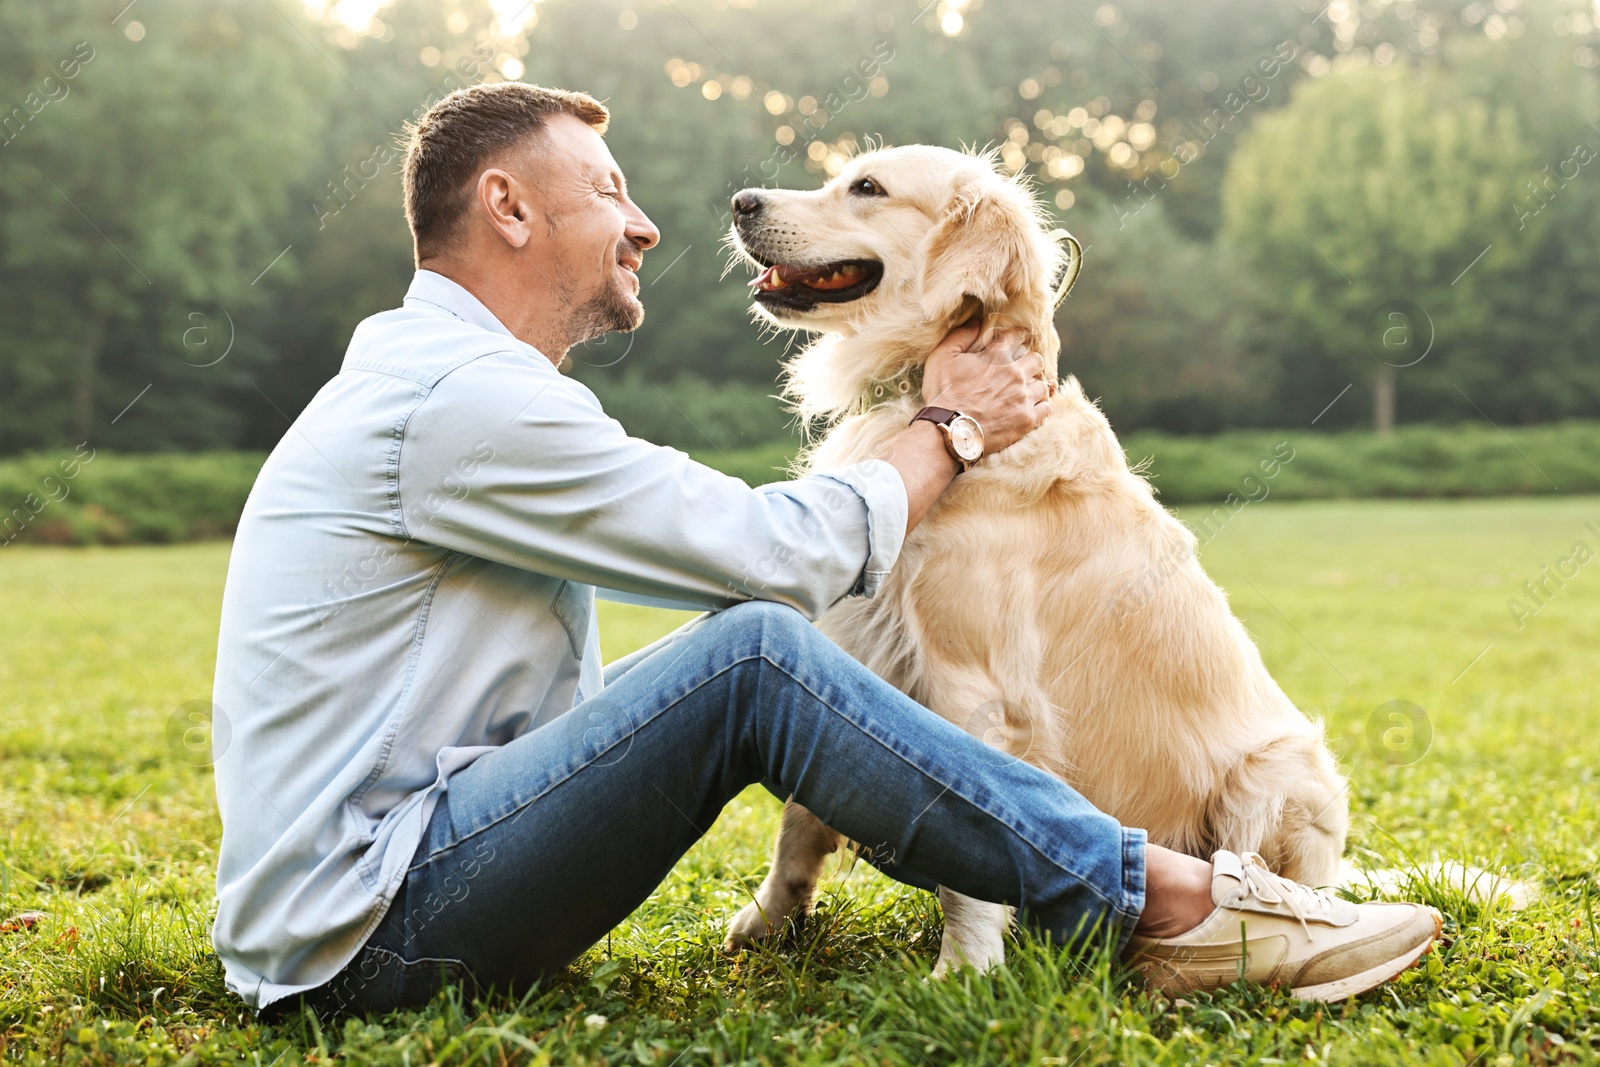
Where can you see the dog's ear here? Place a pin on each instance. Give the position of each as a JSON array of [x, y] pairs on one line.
[[987, 247]]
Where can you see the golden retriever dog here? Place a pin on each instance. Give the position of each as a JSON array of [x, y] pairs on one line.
[[1047, 603]]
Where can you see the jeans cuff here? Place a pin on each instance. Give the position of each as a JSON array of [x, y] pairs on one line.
[[1133, 887]]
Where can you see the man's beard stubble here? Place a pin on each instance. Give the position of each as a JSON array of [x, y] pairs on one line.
[[613, 308]]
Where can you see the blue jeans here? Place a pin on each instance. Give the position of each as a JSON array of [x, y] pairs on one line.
[[542, 846]]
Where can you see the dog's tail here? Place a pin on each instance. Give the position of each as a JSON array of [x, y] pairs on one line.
[[1482, 887]]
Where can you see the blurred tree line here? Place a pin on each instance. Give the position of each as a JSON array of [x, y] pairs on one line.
[[200, 199]]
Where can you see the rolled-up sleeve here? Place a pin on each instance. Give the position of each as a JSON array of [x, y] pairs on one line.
[[513, 462], [883, 493]]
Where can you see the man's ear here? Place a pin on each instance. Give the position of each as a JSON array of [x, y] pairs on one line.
[[500, 201], [984, 248]]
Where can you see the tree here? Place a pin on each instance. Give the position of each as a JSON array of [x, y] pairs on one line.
[[1168, 331], [1537, 355], [232, 131], [1368, 199], [137, 207], [346, 218]]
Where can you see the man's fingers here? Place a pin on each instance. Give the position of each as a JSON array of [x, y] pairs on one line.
[[1004, 346], [959, 340], [1013, 344], [963, 337]]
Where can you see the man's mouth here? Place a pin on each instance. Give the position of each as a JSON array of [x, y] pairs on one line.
[[798, 288], [632, 268]]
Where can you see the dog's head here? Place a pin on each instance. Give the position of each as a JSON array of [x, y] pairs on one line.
[[902, 233]]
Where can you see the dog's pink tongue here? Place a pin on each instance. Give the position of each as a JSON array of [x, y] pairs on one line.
[[768, 280]]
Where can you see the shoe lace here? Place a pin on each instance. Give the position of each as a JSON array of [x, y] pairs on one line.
[[1299, 900]]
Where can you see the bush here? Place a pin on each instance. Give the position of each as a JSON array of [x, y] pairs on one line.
[[757, 466], [86, 497], [693, 414], [1418, 461], [78, 497]]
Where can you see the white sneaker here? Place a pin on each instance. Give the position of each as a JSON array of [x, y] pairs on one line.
[[1271, 930]]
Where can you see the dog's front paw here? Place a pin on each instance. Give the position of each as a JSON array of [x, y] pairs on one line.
[[755, 923], [951, 960], [974, 934]]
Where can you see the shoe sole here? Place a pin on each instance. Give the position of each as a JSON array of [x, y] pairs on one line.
[[1351, 985]]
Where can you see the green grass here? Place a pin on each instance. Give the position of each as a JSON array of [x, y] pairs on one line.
[[109, 830]]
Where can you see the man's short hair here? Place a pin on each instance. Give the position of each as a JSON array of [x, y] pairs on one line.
[[451, 142]]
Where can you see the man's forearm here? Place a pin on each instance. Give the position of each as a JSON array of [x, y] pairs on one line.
[[926, 466]]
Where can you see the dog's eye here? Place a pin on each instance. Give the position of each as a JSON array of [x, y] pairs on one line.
[[867, 187]]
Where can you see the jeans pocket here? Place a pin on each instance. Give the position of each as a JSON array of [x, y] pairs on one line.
[[381, 980], [571, 606]]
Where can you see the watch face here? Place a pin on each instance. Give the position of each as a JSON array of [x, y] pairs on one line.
[[966, 438]]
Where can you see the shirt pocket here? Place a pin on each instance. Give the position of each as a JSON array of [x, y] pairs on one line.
[[571, 606]]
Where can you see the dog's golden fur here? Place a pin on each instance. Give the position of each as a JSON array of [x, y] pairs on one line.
[[1047, 602]]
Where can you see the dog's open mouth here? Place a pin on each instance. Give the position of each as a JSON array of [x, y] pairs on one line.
[[803, 287]]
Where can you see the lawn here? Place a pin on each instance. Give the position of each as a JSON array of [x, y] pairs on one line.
[[108, 826]]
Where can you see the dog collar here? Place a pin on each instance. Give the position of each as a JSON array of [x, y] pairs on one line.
[[906, 383]]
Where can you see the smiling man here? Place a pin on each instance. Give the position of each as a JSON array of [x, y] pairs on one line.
[[430, 778]]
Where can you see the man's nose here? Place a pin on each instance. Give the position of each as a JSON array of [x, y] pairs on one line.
[[642, 232], [746, 202]]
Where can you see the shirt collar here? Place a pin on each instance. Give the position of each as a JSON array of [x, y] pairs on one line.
[[434, 289]]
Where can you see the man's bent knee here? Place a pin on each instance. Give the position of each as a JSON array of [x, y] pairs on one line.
[[765, 620]]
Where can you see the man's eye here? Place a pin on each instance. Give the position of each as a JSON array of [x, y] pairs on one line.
[[867, 187]]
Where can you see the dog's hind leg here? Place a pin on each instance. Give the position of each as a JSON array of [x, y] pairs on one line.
[[802, 848], [1287, 801], [974, 933]]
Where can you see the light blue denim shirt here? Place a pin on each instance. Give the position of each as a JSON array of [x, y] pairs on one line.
[[413, 583]]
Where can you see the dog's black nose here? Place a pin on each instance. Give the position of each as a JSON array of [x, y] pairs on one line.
[[746, 202]]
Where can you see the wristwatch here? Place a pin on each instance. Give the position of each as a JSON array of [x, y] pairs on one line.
[[963, 437]]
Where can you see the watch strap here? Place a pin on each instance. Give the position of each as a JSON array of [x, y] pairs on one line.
[[942, 418], [937, 416]]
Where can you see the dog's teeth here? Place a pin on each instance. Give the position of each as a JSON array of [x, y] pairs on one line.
[[778, 277], [771, 278]]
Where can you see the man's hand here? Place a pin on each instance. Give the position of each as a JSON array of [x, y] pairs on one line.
[[1000, 384]]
